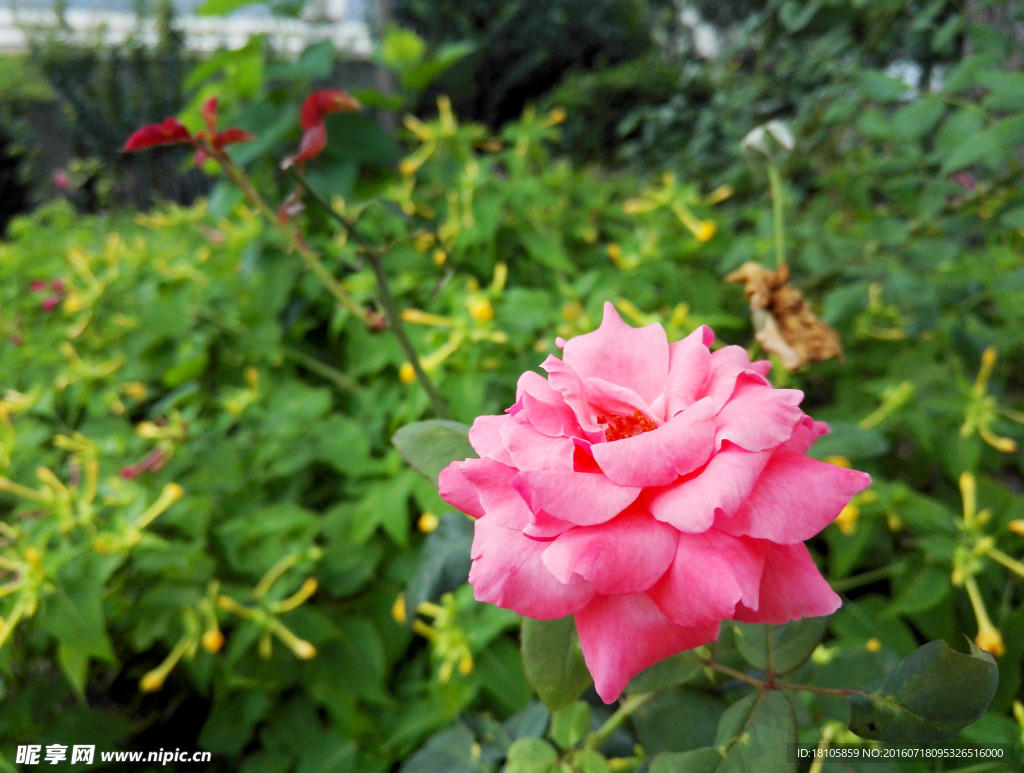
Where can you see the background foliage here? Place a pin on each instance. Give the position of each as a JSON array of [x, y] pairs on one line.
[[186, 348]]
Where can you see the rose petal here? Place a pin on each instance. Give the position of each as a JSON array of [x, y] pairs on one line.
[[568, 384], [658, 457], [485, 437], [689, 365], [757, 416], [493, 483], [582, 498], [710, 574], [532, 450], [459, 492], [794, 499], [623, 635], [625, 555], [723, 485], [508, 571], [635, 358], [791, 588]]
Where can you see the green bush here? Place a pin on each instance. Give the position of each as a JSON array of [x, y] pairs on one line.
[[195, 440]]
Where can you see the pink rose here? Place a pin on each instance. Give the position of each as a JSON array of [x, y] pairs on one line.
[[652, 490]]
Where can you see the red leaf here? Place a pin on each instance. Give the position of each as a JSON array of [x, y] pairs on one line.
[[314, 140], [323, 103], [231, 136], [209, 113], [170, 132]]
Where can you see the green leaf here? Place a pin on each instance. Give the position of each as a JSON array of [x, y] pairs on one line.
[[421, 76], [1006, 90], [589, 761], [450, 751], [677, 669], [531, 755], [222, 7], [918, 118], [74, 662], [706, 760], [881, 87], [444, 560], [795, 16], [553, 661], [930, 697], [401, 51], [779, 648], [755, 733], [570, 724], [430, 446]]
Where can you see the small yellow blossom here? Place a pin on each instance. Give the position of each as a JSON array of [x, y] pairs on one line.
[[838, 461], [213, 640], [1016, 526], [847, 519], [428, 522], [614, 252], [481, 310], [990, 640], [406, 373], [398, 610], [705, 230], [136, 390], [873, 645], [439, 257]]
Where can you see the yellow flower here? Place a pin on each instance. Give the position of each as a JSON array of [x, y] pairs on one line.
[[990, 640], [481, 310], [406, 373], [428, 522], [847, 519], [705, 230], [873, 645]]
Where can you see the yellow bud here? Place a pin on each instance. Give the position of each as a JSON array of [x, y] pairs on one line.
[[304, 650], [213, 640], [408, 166], [705, 230], [1016, 526], [424, 241], [136, 390], [466, 664], [439, 257], [990, 640], [719, 194], [152, 681], [556, 117], [252, 377], [480, 310], [149, 430], [614, 252], [406, 373], [73, 302], [172, 492], [398, 609], [428, 522], [838, 461], [33, 556], [847, 519], [873, 645]]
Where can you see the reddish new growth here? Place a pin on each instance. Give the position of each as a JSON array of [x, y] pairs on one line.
[[315, 109], [207, 141]]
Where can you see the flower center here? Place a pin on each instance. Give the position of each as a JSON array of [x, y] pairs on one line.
[[621, 427]]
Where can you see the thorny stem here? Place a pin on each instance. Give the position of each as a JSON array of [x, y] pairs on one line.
[[775, 186], [310, 258], [391, 311]]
